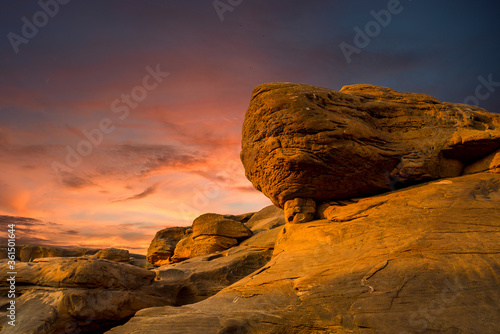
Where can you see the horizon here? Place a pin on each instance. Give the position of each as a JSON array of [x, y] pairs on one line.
[[119, 119]]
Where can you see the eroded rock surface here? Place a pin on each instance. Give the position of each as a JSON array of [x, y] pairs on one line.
[[424, 259], [211, 233], [201, 277], [31, 252], [113, 254], [299, 210], [301, 141], [268, 218], [163, 245], [73, 295]]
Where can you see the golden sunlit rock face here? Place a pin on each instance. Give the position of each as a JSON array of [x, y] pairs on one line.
[[418, 260], [301, 141]]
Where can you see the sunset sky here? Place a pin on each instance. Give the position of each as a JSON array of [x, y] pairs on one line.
[[161, 88]]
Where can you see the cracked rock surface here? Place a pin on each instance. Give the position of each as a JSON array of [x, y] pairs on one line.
[[301, 141], [424, 259]]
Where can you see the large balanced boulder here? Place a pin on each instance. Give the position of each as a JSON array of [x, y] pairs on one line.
[[425, 259], [163, 245], [301, 141]]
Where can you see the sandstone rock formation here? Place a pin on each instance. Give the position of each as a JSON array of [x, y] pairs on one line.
[[89, 294], [338, 253], [211, 233], [113, 254], [31, 252], [217, 225], [67, 295], [300, 210], [268, 218], [183, 250], [301, 141], [424, 259], [86, 271], [163, 244], [490, 163], [201, 277]]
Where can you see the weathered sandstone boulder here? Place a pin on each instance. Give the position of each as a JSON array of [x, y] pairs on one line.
[[113, 254], [183, 250], [31, 252], [209, 244], [212, 224], [424, 259], [163, 244], [268, 218], [301, 141], [211, 233]]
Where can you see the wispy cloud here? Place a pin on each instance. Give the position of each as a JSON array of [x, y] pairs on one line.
[[148, 191], [27, 230], [75, 182]]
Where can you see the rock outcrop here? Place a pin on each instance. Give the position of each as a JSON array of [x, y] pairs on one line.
[[300, 210], [113, 254], [387, 220], [93, 293], [211, 233], [31, 252], [268, 218], [163, 244], [301, 141], [201, 277], [424, 259], [84, 294]]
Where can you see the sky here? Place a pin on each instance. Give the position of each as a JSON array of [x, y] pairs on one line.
[[120, 118]]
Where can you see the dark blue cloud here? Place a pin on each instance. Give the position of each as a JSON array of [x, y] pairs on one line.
[[96, 48]]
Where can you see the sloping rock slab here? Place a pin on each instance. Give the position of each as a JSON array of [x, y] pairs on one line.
[[201, 277], [425, 259], [31, 252], [78, 272], [78, 295]]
